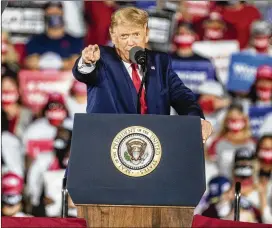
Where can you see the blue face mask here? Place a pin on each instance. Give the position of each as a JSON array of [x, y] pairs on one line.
[[54, 21]]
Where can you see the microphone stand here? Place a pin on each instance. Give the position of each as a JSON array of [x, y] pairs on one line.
[[64, 198], [237, 201], [144, 68]]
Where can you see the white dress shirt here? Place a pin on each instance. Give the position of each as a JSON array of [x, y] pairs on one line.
[[88, 68]]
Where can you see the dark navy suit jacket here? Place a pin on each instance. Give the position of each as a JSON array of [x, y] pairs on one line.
[[111, 90]]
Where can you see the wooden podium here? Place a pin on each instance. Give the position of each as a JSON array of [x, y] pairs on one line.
[[112, 189], [135, 216]]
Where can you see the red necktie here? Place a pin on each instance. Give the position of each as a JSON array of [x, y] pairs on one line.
[[137, 83]]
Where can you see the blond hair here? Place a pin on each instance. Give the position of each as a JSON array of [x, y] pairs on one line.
[[246, 130], [129, 15]]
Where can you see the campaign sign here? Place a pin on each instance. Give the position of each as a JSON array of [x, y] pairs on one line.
[[35, 147], [22, 19], [257, 115], [243, 68], [220, 59], [194, 73], [36, 85]]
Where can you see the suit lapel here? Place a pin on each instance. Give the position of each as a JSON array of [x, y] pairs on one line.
[[125, 87]]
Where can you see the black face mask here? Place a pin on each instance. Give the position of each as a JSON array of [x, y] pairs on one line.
[[265, 174], [243, 171], [54, 21]]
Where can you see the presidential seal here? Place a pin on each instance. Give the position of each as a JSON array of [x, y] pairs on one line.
[[136, 151]]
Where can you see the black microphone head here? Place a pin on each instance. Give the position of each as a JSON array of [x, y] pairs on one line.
[[237, 187], [135, 54]]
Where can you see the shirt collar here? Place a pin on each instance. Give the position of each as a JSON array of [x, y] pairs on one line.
[[128, 65]]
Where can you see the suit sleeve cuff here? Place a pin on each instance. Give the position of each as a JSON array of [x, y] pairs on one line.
[[85, 68]]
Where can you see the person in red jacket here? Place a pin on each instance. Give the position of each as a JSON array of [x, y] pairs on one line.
[[214, 28], [98, 25], [241, 15]]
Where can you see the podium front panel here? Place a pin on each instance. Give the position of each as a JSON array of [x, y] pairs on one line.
[[177, 180]]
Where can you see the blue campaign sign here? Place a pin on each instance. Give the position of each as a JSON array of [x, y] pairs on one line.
[[257, 116], [194, 73], [242, 70]]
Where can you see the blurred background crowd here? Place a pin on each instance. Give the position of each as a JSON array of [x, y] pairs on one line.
[[221, 50]]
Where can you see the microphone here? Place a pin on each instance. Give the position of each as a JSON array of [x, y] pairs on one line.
[[137, 55]]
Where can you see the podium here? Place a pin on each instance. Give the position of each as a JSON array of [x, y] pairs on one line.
[[129, 170]]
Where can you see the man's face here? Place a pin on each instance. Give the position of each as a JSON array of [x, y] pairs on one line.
[[125, 37], [54, 18]]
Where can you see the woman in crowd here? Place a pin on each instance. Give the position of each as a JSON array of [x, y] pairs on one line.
[[261, 90], [214, 28], [19, 117], [235, 134], [183, 41]]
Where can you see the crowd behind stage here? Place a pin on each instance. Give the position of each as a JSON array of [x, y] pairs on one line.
[[221, 50]]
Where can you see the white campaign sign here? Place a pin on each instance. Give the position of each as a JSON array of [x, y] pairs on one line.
[[219, 52]]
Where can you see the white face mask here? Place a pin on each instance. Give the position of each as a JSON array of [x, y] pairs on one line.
[[223, 208]]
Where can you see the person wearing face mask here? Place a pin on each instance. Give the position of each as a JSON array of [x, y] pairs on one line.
[[19, 117], [260, 38], [245, 175], [183, 42], [62, 144], [240, 15], [77, 101], [213, 102], [264, 156], [56, 159], [261, 91], [219, 198], [54, 49], [245, 156], [53, 115], [214, 28], [114, 77], [235, 133], [12, 195], [56, 170]]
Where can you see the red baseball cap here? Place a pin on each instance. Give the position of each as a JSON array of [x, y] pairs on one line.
[[56, 97], [12, 184]]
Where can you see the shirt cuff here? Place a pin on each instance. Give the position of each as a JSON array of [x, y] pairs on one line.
[[85, 68]]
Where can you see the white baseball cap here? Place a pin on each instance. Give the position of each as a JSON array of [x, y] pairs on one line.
[[211, 88]]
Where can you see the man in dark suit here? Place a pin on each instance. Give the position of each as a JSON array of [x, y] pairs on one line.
[[113, 81]]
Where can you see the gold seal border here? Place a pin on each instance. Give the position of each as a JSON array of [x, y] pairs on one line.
[[136, 130]]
